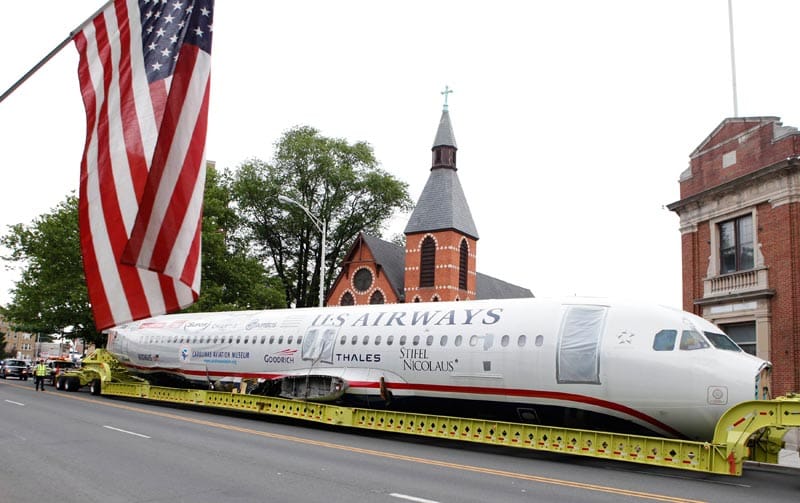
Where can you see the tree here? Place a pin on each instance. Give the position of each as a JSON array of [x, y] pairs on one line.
[[232, 279], [338, 182], [51, 294]]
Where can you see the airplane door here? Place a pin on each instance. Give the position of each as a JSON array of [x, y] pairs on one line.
[[318, 345], [578, 351]]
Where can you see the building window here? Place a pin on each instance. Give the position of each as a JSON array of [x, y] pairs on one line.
[[427, 264], [376, 297], [347, 299], [736, 244], [743, 334], [362, 280], [463, 263]]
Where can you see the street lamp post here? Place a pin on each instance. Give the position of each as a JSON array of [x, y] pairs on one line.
[[320, 225]]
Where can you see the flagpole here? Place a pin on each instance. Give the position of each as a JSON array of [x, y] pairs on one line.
[[733, 59], [53, 52]]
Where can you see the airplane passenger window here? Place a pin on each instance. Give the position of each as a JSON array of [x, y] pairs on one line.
[[665, 340], [354, 340], [473, 341], [522, 340], [691, 340], [216, 338], [458, 340], [289, 340], [389, 340], [246, 339], [280, 339], [377, 340], [230, 339], [504, 340], [299, 339], [429, 340], [402, 340], [443, 341], [539, 340], [238, 340], [343, 340], [415, 341], [263, 339], [365, 340], [272, 339]]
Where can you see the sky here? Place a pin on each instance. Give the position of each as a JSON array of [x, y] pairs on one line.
[[574, 119]]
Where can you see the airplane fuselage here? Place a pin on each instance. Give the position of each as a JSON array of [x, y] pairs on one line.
[[591, 355]]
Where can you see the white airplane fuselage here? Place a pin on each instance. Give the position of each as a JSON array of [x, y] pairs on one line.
[[592, 355]]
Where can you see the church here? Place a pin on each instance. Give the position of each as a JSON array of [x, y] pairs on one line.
[[438, 262]]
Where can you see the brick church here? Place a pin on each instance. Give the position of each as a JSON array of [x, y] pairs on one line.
[[438, 262]]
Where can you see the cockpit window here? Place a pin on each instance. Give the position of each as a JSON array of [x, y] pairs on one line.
[[691, 340], [722, 341], [665, 340]]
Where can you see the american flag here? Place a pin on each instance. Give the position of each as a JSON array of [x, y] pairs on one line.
[[144, 75]]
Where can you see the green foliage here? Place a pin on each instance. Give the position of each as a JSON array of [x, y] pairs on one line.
[[51, 295], [340, 184]]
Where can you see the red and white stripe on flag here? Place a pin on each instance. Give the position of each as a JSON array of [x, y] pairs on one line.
[[144, 76]]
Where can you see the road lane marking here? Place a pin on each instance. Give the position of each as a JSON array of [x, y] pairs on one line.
[[125, 431], [389, 455], [411, 498], [16, 403]]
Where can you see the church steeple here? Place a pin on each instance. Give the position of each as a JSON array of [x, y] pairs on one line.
[[444, 145], [441, 236]]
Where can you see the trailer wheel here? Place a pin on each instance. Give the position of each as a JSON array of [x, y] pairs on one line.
[[95, 387], [70, 384], [60, 383]]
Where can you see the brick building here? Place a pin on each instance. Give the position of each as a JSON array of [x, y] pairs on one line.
[[739, 212], [438, 261], [17, 344]]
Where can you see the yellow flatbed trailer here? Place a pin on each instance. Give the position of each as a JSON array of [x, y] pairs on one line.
[[748, 431]]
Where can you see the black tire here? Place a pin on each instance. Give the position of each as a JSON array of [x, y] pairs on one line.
[[95, 387], [68, 384], [59, 383], [4, 375]]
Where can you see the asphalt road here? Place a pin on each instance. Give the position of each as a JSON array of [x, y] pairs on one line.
[[59, 446]]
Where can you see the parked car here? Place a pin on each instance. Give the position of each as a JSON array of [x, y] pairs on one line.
[[56, 367], [15, 368]]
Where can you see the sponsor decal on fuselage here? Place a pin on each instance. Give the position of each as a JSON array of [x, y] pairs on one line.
[[283, 357], [417, 360]]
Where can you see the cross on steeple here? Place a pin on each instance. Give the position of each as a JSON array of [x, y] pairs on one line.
[[446, 91]]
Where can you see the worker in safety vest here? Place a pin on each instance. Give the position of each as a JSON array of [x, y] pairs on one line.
[[39, 373]]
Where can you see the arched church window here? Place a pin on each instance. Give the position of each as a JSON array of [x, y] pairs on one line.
[[463, 264], [427, 264], [376, 297], [347, 299]]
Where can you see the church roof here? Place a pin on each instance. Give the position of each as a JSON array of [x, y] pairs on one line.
[[444, 135], [391, 258], [442, 204]]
